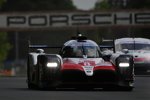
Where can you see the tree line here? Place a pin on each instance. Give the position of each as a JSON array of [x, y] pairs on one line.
[[122, 4]]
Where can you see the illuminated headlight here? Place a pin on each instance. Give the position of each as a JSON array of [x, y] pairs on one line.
[[124, 64], [52, 64]]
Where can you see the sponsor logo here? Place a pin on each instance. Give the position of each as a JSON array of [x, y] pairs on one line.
[[49, 20]]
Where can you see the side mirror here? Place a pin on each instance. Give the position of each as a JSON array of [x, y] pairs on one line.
[[125, 51], [106, 57], [39, 51]]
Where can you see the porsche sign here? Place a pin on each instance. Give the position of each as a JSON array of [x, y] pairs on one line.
[[73, 19]]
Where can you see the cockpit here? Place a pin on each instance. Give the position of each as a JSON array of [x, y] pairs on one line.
[[80, 49]]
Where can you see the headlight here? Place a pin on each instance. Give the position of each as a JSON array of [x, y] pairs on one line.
[[124, 64], [52, 64]]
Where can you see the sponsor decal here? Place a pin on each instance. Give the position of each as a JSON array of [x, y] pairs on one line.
[[73, 19], [88, 70]]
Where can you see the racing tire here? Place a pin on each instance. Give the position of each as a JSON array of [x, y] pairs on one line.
[[118, 88], [41, 85], [29, 84], [126, 88]]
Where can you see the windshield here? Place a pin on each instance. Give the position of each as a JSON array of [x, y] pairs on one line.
[[80, 51], [136, 46]]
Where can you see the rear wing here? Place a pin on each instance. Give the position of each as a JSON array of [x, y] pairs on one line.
[[41, 47]]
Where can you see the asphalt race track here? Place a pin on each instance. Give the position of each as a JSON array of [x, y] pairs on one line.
[[15, 88]]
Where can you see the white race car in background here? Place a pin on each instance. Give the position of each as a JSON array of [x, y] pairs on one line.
[[139, 48]]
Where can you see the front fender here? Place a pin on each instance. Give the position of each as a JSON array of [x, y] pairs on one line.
[[50, 72], [126, 71]]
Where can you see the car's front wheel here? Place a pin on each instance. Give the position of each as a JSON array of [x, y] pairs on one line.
[[41, 83]]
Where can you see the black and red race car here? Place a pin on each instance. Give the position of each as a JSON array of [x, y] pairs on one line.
[[79, 64]]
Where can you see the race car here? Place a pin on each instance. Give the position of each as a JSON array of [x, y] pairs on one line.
[[140, 49], [79, 64]]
